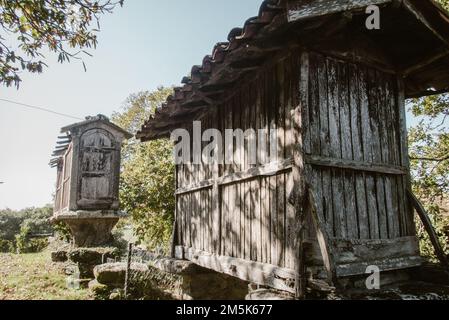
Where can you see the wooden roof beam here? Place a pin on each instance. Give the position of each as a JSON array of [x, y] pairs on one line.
[[424, 63], [420, 17]]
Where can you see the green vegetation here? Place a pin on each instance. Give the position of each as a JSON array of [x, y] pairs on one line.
[[20, 230], [56, 25], [429, 154], [35, 277], [147, 179]]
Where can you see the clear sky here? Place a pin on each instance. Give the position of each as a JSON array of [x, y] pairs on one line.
[[145, 44]]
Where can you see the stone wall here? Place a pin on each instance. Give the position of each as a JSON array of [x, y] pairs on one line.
[[167, 279]]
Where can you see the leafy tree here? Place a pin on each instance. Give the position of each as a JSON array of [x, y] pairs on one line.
[[147, 180], [16, 227], [58, 25], [429, 154]]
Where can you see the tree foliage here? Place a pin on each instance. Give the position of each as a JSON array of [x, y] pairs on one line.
[[147, 180], [429, 155], [29, 26], [16, 227]]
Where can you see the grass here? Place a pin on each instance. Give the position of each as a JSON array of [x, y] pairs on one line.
[[35, 277]]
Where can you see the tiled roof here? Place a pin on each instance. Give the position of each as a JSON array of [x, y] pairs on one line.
[[247, 48]]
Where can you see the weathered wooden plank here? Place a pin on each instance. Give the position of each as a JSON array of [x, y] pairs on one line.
[[298, 176], [395, 263], [196, 187], [357, 145], [274, 238], [291, 68], [387, 152], [254, 220], [270, 169], [350, 210], [227, 209], [327, 251], [355, 251], [280, 180], [265, 199], [367, 138], [290, 224], [376, 124], [251, 271], [314, 96], [215, 198], [335, 148], [324, 142], [355, 165], [391, 184], [409, 225], [314, 123], [235, 218]]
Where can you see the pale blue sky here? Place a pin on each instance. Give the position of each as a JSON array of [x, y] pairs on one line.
[[145, 44]]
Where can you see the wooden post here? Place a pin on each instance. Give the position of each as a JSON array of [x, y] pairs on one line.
[[409, 227], [216, 196], [323, 240], [298, 177], [128, 268], [174, 237], [429, 229]]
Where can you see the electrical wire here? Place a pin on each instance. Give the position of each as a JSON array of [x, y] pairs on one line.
[[40, 109]]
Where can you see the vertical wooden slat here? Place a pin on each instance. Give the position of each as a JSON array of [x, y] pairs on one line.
[[335, 149], [357, 140], [349, 209], [324, 143], [314, 124], [386, 149], [409, 224], [368, 154], [298, 176], [391, 185], [374, 99]]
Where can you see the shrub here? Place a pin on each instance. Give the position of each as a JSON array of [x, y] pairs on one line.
[[7, 246], [440, 223], [62, 231]]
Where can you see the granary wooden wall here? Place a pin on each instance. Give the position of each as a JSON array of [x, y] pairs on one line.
[[356, 163], [62, 197], [88, 162]]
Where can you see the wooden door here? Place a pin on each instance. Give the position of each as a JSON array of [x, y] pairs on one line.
[[96, 183]]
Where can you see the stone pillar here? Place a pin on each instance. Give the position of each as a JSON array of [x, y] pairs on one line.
[[91, 229]]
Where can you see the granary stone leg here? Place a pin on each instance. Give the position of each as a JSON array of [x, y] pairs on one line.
[[91, 232]]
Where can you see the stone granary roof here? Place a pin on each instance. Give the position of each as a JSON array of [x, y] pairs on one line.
[[64, 141], [413, 40]]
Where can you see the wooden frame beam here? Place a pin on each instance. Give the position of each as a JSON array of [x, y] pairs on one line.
[[327, 250], [269, 169], [424, 63], [255, 272], [355, 165], [411, 8]]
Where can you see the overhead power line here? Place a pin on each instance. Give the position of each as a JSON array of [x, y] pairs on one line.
[[41, 109]]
